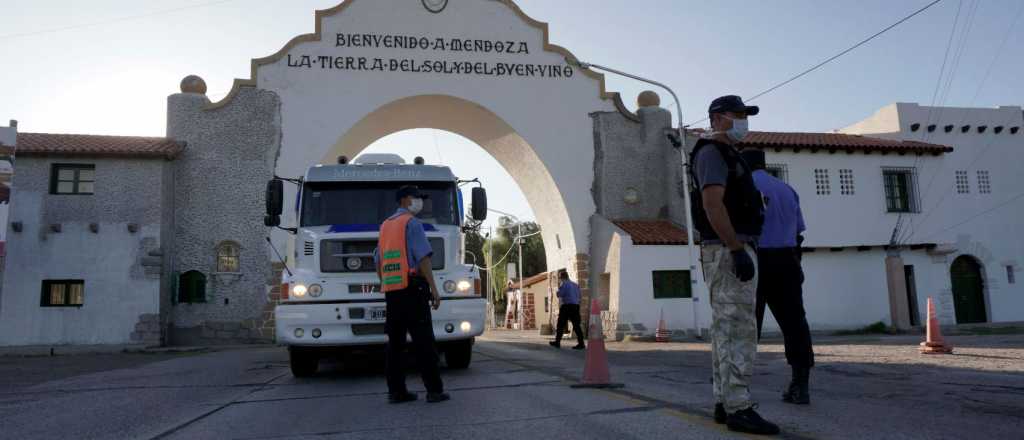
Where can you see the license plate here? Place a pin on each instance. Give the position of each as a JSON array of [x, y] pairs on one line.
[[378, 314]]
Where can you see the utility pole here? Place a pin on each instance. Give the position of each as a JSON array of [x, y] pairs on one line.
[[490, 278], [681, 129]]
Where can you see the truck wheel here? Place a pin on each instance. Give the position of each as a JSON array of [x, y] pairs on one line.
[[459, 354], [303, 362]]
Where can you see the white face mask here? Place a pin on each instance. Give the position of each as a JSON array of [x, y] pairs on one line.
[[416, 206], [739, 129]]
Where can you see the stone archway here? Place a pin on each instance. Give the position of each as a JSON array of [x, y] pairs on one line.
[[482, 69], [491, 133]]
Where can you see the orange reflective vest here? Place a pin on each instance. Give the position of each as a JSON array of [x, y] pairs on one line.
[[394, 257]]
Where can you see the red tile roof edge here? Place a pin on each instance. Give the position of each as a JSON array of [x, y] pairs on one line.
[[529, 281], [837, 142], [652, 232], [61, 144]]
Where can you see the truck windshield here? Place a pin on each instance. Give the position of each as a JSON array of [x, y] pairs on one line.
[[370, 203]]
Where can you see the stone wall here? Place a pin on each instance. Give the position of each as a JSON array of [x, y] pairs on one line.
[[113, 240], [632, 163], [221, 179]]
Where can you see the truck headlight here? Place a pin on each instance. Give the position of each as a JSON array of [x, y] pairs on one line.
[[315, 290], [464, 285], [449, 286], [299, 290]]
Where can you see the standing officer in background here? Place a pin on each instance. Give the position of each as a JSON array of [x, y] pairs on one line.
[[568, 310], [728, 213], [403, 265], [780, 284]]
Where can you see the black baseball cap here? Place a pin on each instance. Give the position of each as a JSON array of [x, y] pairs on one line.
[[732, 103], [754, 158], [407, 191]]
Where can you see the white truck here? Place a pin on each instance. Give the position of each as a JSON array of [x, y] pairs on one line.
[[331, 299]]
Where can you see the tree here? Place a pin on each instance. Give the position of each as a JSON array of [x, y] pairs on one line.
[[503, 245]]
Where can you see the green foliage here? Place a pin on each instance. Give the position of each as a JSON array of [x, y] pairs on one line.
[[534, 259]]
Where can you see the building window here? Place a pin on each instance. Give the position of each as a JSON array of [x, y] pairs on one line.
[[192, 287], [72, 179], [547, 304], [778, 170], [63, 293], [1011, 277], [821, 182], [984, 184], [846, 182], [962, 184], [671, 284], [227, 257], [900, 189]]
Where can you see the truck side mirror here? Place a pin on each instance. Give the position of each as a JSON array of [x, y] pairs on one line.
[[479, 204], [275, 197]]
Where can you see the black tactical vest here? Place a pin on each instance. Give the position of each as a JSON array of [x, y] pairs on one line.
[[742, 200]]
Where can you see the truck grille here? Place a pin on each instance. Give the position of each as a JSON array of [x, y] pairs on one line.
[[308, 249], [356, 256], [347, 256]]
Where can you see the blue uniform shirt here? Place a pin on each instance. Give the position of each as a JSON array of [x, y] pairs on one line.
[[783, 219], [569, 293], [417, 247]]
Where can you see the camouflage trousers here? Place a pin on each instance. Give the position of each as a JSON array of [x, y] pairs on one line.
[[733, 327]]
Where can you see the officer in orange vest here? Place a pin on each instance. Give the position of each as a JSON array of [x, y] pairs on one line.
[[404, 267]]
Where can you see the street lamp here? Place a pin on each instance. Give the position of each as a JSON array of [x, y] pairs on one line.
[[686, 194]]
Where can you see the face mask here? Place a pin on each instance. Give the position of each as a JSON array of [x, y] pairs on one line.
[[416, 206], [739, 130]]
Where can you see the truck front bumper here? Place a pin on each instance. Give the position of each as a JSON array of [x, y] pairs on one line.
[[296, 324]]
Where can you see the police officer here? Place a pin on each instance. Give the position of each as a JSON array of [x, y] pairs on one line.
[[727, 214], [568, 311], [403, 265], [780, 284]]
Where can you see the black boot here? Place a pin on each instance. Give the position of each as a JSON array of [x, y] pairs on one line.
[[720, 414], [750, 421], [799, 392]]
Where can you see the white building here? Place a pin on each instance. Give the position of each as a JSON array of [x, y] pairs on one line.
[[946, 176]]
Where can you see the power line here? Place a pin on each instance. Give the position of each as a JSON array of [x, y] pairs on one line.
[[836, 56], [898, 235], [985, 212], [113, 20], [984, 150]]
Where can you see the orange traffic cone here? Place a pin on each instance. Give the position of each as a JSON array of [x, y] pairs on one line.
[[933, 343], [595, 370], [661, 334]]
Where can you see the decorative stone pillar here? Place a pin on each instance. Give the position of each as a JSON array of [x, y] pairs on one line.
[[579, 270], [899, 310]]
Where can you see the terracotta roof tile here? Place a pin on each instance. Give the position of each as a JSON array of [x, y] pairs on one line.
[[652, 232], [529, 281], [838, 141], [96, 145]]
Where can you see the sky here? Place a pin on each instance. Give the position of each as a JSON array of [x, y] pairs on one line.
[[61, 73]]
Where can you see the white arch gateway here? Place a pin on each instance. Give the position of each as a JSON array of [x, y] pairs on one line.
[[478, 68]]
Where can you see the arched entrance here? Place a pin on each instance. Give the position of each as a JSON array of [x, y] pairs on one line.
[[968, 290], [481, 69], [488, 131]]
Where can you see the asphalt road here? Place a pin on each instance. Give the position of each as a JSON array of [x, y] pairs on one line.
[[516, 387]]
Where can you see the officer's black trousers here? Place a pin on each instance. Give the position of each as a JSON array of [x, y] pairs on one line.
[[779, 286], [408, 312], [570, 313]]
